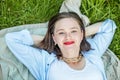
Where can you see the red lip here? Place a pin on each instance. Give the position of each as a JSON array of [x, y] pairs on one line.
[[69, 42]]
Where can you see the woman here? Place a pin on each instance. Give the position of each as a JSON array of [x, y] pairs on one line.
[[64, 53]]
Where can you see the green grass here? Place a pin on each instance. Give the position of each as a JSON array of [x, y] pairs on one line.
[[99, 10], [19, 12]]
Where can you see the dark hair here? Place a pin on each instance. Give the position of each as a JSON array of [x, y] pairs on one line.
[[48, 43]]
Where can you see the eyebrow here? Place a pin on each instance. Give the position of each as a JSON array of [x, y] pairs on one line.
[[70, 28], [59, 30], [74, 28]]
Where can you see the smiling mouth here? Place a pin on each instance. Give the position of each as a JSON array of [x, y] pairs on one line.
[[68, 43]]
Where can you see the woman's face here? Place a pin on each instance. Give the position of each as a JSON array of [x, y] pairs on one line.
[[67, 34]]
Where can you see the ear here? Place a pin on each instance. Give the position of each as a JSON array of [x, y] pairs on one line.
[[54, 38]]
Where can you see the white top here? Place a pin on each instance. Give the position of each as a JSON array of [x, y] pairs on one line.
[[59, 70]]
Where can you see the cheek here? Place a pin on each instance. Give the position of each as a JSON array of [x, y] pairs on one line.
[[81, 36], [79, 39], [59, 42], [57, 39]]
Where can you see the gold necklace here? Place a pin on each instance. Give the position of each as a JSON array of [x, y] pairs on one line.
[[72, 60]]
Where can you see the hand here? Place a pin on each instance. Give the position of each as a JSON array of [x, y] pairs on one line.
[[37, 39], [92, 29]]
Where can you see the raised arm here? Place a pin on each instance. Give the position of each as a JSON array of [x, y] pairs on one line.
[[92, 29], [20, 43], [104, 33]]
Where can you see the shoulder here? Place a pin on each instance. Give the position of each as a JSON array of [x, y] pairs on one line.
[[48, 57]]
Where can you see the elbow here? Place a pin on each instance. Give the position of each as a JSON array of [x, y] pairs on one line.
[[112, 25], [8, 38], [108, 26]]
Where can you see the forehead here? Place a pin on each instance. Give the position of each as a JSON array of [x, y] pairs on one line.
[[66, 23]]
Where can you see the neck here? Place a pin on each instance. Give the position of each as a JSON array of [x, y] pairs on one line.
[[73, 59], [70, 53]]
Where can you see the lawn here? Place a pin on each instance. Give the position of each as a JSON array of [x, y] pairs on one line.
[[19, 12]]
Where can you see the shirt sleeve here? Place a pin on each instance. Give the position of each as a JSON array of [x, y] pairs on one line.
[[20, 43], [101, 41]]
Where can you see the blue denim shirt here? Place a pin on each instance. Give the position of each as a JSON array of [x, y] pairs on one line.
[[38, 61]]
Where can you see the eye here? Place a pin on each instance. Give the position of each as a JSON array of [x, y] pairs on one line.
[[73, 31], [61, 33]]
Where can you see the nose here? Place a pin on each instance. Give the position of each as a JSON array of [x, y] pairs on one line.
[[68, 36]]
